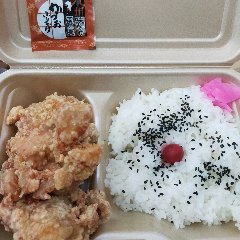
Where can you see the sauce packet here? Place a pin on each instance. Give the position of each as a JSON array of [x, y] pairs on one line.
[[61, 24]]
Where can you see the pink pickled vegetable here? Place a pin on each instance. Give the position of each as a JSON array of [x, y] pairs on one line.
[[221, 94]]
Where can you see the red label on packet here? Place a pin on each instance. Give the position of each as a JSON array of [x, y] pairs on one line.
[[61, 24]]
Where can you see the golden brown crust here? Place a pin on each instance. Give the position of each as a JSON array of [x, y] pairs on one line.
[[56, 145], [58, 218], [54, 150]]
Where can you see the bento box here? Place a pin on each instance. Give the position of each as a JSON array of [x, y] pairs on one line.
[[153, 44]]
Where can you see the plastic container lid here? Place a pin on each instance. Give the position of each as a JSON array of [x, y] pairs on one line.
[[135, 33]]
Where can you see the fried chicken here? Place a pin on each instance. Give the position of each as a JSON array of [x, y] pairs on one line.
[[55, 146], [59, 218]]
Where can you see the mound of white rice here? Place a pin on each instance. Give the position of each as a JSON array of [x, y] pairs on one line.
[[204, 186]]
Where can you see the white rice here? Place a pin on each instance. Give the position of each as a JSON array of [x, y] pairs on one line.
[[175, 193]]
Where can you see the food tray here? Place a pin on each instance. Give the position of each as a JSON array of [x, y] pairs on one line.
[[104, 89], [155, 44]]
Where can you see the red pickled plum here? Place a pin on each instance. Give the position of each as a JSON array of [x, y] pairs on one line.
[[172, 153]]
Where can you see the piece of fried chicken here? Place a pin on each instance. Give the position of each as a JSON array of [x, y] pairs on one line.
[[55, 146], [59, 218]]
